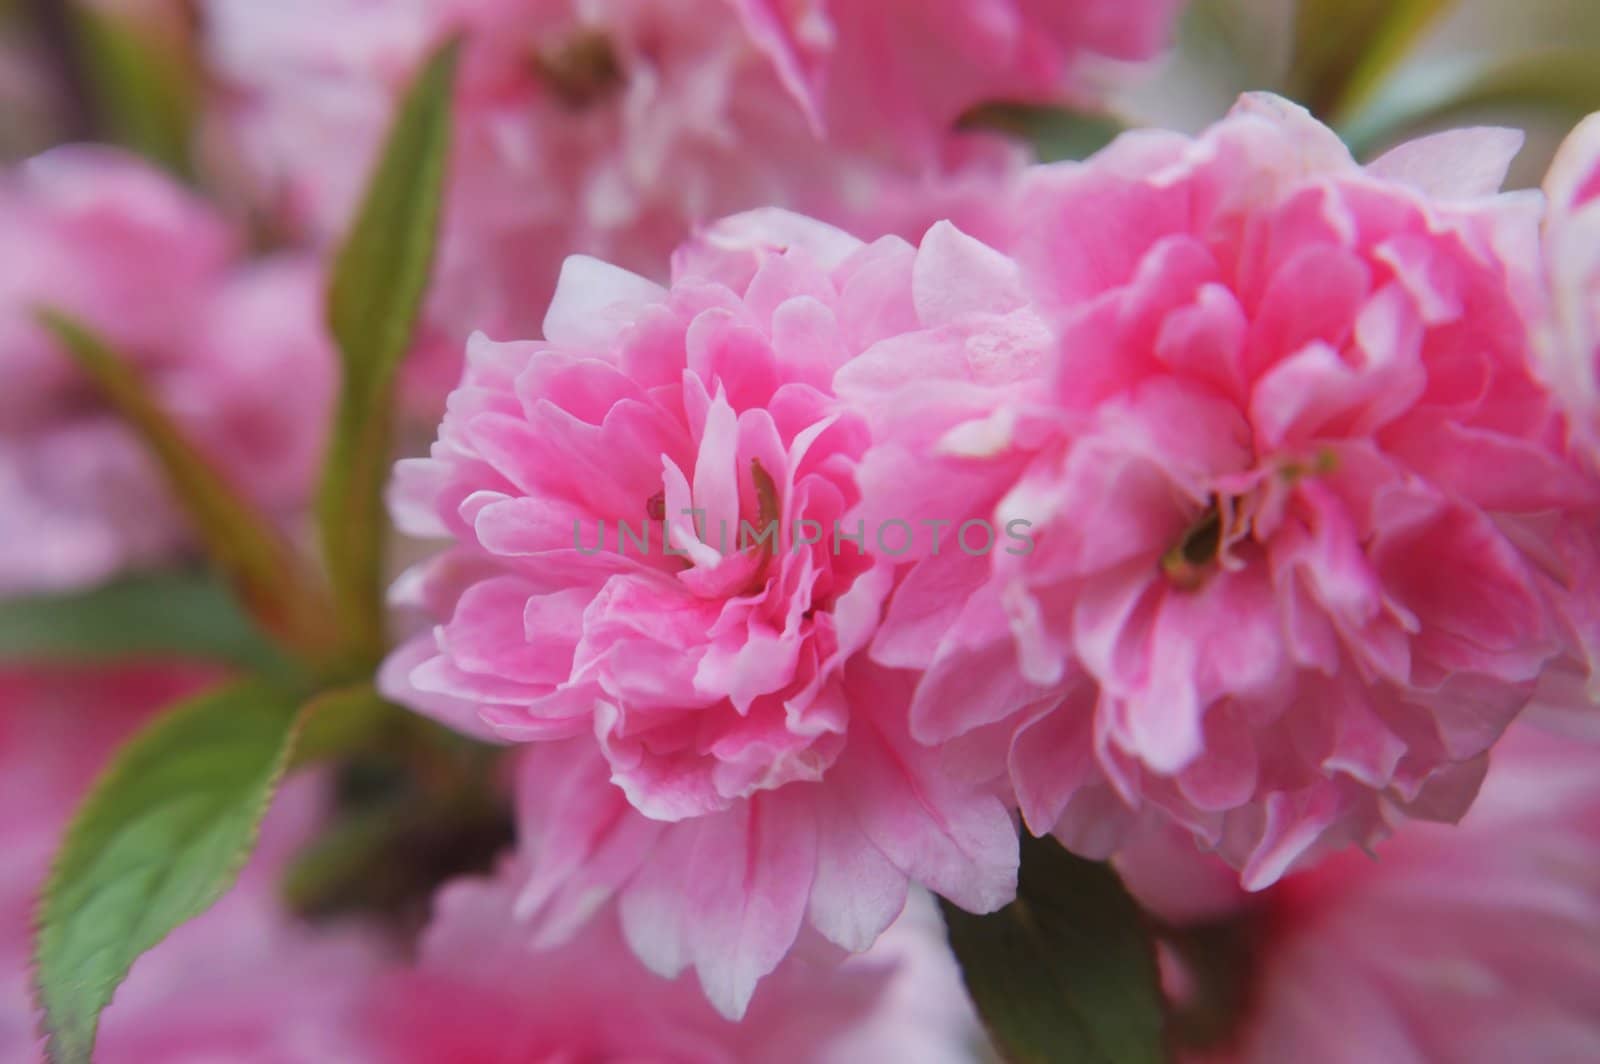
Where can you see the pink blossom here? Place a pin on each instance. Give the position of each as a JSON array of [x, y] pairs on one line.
[[481, 994], [236, 353], [1569, 357], [1288, 477], [243, 981], [1572, 234], [905, 71], [1476, 944], [612, 129], [711, 673]]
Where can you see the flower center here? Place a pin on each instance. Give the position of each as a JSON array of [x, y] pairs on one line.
[[769, 512], [1186, 563], [1229, 518], [580, 71]]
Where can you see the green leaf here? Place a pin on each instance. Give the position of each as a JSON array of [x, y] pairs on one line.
[[144, 87], [164, 615], [1563, 82], [379, 280], [263, 569], [1065, 974], [1345, 48], [344, 720], [159, 838]]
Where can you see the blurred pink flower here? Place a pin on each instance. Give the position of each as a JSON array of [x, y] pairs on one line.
[[1569, 350], [242, 982], [481, 994], [237, 353], [1474, 944], [1289, 480], [1572, 250], [901, 73], [711, 669], [612, 129]]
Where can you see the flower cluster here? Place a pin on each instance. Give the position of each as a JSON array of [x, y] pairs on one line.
[[816, 510], [1295, 498]]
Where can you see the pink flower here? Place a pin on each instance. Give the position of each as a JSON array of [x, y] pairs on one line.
[[236, 353], [242, 982], [1569, 357], [603, 129], [1572, 233], [650, 559], [480, 994], [1287, 482], [906, 72], [1472, 944]]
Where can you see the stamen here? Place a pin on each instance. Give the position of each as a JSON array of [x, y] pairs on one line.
[[769, 511], [1186, 563], [1325, 461]]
